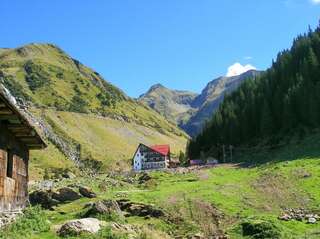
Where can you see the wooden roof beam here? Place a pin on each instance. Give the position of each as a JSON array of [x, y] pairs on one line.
[[6, 111], [8, 117]]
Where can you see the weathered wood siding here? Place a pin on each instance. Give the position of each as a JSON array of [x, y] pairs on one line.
[[13, 191]]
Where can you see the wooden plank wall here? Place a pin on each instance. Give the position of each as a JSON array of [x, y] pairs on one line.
[[13, 191]]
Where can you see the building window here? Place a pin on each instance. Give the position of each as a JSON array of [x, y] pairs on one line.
[[9, 163]]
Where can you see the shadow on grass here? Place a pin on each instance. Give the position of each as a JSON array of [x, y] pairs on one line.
[[306, 148]]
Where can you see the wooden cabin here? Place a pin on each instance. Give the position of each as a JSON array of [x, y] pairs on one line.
[[17, 137], [153, 157]]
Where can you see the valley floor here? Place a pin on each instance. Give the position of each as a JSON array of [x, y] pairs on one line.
[[211, 201]]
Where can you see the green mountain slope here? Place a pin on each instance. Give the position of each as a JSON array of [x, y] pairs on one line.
[[47, 76], [110, 141], [188, 110], [173, 104], [44, 77], [282, 101]]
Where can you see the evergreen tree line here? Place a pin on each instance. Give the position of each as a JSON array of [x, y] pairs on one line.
[[282, 100]]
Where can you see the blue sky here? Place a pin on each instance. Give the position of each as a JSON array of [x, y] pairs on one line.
[[182, 44]]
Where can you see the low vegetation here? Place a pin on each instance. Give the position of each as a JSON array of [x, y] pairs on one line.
[[238, 200], [107, 142], [33, 222]]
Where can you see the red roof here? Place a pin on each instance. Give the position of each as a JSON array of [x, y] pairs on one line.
[[162, 149]]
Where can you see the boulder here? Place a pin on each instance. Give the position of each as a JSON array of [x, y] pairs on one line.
[[123, 228], [139, 209], [105, 207], [312, 220], [43, 198], [76, 227], [285, 217], [68, 175], [144, 178], [66, 194], [87, 192]]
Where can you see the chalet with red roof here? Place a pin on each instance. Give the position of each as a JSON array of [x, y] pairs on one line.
[[153, 157]]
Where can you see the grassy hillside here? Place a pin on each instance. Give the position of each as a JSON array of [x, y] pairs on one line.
[[81, 107], [111, 141], [232, 193], [47, 76], [173, 104]]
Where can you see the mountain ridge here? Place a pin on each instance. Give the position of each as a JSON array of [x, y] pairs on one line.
[[198, 108]]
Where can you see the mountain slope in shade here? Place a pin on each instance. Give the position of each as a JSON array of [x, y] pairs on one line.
[[189, 110], [210, 98]]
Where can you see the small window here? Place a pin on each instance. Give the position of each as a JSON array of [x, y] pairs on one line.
[[9, 163]]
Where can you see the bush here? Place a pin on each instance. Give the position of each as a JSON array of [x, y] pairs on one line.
[[59, 75], [36, 77], [14, 86], [260, 229], [78, 104], [32, 221]]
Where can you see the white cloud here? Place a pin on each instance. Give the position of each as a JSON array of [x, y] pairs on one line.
[[315, 1], [248, 58], [237, 69]]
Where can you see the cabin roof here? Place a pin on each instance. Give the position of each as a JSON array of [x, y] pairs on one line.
[[162, 149], [17, 122]]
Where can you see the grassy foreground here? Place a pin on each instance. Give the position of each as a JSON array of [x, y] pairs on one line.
[[216, 199]]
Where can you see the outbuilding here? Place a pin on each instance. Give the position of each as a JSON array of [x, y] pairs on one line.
[[17, 137]]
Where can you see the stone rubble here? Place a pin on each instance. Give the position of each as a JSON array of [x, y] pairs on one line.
[[299, 215], [9, 217]]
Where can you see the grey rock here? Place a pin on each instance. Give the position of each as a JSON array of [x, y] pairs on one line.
[[66, 194], [76, 227], [140, 209], [87, 192], [285, 217], [144, 178], [68, 175], [312, 220], [105, 207], [43, 198]]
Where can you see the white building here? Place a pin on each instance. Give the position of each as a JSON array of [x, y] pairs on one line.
[[154, 157]]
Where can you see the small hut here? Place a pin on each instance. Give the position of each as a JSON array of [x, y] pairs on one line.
[[17, 137]]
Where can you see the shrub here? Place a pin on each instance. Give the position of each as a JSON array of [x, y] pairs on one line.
[[260, 229], [59, 75], [36, 77], [91, 164], [78, 104], [32, 221]]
